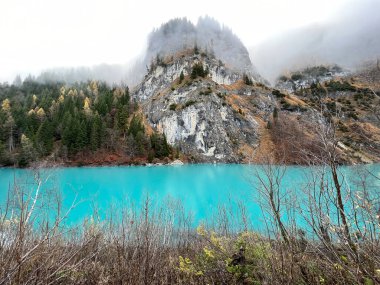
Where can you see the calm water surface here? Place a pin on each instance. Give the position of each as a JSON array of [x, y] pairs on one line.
[[200, 188]]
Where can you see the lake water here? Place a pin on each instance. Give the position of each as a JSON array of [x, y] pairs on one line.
[[200, 188]]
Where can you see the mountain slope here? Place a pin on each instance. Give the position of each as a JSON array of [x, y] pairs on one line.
[[348, 40], [194, 112], [227, 116]]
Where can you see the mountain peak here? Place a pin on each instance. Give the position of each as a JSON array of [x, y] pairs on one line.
[[208, 34]]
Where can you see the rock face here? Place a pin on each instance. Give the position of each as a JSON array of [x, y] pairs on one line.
[[194, 114], [162, 76], [305, 78], [222, 115]]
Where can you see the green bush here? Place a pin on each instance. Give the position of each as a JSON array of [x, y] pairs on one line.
[[173, 106], [340, 86], [198, 70], [278, 94], [190, 102], [296, 76], [283, 78], [247, 80]]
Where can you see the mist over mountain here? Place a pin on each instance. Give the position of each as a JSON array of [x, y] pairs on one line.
[[176, 35], [104, 72], [207, 34], [349, 39]]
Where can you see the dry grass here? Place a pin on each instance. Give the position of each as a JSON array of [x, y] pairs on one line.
[[153, 244]]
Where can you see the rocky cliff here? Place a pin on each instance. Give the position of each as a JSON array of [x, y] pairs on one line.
[[194, 112], [223, 115]]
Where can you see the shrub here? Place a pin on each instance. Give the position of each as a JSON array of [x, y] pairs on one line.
[[352, 115], [181, 77], [283, 78], [278, 94], [296, 76], [340, 86], [208, 91], [190, 102], [198, 70], [173, 106], [247, 80]]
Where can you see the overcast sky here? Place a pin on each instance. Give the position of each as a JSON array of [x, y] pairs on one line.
[[41, 34]]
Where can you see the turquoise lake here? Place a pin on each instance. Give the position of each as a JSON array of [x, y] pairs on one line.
[[200, 188]]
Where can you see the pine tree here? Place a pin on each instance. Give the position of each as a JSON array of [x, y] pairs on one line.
[[122, 119], [44, 138], [136, 126], [82, 136], [160, 145], [28, 152], [96, 134], [181, 77]]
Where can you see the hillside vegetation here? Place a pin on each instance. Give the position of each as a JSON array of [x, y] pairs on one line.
[[192, 106], [86, 123]]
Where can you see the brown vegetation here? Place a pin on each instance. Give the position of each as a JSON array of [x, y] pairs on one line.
[[161, 245]]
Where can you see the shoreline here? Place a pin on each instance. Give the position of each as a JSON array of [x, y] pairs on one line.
[[177, 162]]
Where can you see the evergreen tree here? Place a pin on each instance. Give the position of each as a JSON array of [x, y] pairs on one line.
[[136, 126], [96, 134], [28, 152], [122, 119], [160, 145], [198, 70], [82, 140], [247, 80], [181, 77], [32, 125], [140, 143], [44, 138]]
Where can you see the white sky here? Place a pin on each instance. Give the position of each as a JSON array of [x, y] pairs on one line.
[[41, 34]]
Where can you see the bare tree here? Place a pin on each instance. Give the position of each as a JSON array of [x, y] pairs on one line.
[[272, 194]]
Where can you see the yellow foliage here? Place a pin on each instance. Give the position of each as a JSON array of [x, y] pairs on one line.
[[94, 84], [86, 105], [53, 107], [209, 253], [24, 139], [201, 230], [94, 87], [61, 99], [63, 90], [31, 112], [377, 273], [34, 98], [26, 144], [337, 266], [217, 242], [6, 105], [41, 113], [118, 92], [187, 266]]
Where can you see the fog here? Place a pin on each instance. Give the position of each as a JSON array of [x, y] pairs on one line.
[[177, 34], [208, 34], [348, 39], [346, 36]]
